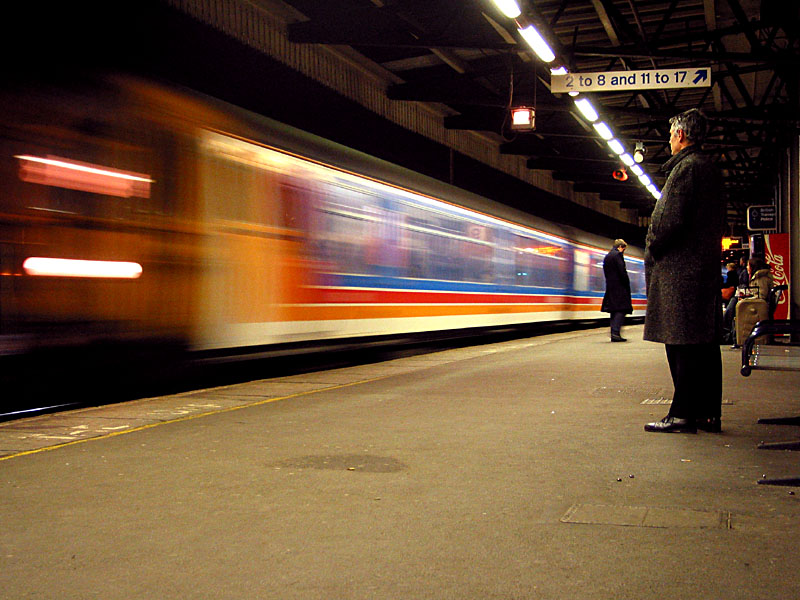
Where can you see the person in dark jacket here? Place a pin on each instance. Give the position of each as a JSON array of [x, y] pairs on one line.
[[617, 299], [682, 252], [728, 331], [731, 279], [744, 276]]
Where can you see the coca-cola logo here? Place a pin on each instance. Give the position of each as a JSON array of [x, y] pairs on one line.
[[775, 262]]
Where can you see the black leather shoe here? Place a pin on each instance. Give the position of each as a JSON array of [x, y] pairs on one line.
[[711, 425], [672, 425], [617, 338]]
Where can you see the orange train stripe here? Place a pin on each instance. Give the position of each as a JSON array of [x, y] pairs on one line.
[[328, 312]]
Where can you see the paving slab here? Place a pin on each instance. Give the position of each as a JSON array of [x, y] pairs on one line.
[[508, 471]]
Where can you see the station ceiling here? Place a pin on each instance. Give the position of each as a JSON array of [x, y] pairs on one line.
[[469, 57]]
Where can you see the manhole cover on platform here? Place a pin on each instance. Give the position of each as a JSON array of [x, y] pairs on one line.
[[645, 516]]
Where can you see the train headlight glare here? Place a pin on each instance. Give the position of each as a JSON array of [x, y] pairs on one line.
[[68, 267]]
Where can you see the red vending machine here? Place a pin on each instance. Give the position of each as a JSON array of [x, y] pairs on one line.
[[776, 251]]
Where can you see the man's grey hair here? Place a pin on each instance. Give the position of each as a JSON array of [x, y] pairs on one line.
[[619, 243], [694, 125]]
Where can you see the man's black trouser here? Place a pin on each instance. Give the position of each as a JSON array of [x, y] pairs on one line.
[[617, 321], [697, 377]]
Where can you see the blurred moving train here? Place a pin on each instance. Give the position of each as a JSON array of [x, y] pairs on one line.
[[132, 211]]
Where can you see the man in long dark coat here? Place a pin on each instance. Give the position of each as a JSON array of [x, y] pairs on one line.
[[682, 257], [617, 299]]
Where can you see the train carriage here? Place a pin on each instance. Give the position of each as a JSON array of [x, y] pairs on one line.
[[136, 212]]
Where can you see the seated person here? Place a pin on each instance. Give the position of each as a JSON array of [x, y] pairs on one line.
[[760, 278], [732, 276], [759, 285], [729, 282]]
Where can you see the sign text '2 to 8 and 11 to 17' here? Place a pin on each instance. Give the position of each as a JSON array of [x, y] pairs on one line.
[[630, 80]]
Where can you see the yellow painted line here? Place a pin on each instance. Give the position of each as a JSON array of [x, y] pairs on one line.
[[190, 417], [214, 412]]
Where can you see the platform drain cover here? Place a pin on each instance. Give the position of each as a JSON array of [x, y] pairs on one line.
[[646, 516], [664, 400], [660, 400], [613, 392]]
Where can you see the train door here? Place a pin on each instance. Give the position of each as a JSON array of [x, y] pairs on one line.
[[581, 270], [246, 282]]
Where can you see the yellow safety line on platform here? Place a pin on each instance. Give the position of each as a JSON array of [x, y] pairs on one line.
[[546, 340], [190, 417]]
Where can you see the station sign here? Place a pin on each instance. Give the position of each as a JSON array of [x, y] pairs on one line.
[[617, 81], [762, 217]]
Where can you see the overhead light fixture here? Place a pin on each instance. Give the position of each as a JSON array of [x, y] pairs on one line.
[[523, 118], [603, 130], [587, 110], [644, 179], [537, 42], [639, 152], [616, 146], [509, 8], [627, 159], [637, 170]]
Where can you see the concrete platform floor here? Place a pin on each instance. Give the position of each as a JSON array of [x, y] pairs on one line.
[[517, 470]]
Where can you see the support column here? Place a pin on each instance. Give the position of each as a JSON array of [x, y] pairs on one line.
[[792, 202]]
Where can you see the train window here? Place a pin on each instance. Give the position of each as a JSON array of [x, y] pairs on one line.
[[636, 275], [597, 277], [581, 270], [246, 183], [503, 260], [227, 188], [539, 261], [96, 172], [478, 252], [588, 273], [341, 225]]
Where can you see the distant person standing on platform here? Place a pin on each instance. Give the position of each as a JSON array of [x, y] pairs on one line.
[[682, 253], [617, 299]]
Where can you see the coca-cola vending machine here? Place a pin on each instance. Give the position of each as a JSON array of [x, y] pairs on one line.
[[776, 251]]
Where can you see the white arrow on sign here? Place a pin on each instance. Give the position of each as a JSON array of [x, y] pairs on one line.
[[617, 81]]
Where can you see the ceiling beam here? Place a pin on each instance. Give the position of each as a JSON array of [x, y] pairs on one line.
[[629, 188], [349, 31], [690, 55], [558, 163], [453, 91]]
